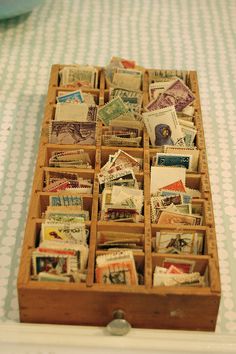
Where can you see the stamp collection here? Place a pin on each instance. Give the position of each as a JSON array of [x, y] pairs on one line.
[[121, 215]]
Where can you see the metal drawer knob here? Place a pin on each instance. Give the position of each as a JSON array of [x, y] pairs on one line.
[[118, 326]]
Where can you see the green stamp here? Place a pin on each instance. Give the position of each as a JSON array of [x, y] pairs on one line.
[[112, 110]]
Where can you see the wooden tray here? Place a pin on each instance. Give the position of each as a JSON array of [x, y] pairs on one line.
[[90, 303]]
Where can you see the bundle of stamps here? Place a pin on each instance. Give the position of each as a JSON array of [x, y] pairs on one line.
[[177, 156], [121, 204], [62, 253], [165, 128], [177, 272], [171, 200], [73, 76], [158, 76], [121, 115], [169, 114], [116, 268], [117, 241], [63, 181], [72, 158], [178, 242], [123, 126], [121, 197], [124, 74], [75, 119]]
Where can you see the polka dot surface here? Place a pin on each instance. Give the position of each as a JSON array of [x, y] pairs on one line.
[[185, 34]]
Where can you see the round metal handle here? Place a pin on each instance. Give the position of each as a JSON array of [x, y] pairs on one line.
[[118, 326]]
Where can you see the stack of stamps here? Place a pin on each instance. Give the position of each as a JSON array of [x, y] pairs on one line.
[[171, 200], [124, 74], [165, 128], [75, 119], [169, 115], [178, 242], [121, 196], [78, 75], [63, 181], [116, 241], [177, 272], [122, 113], [177, 157], [122, 125], [116, 268], [63, 249], [73, 158]]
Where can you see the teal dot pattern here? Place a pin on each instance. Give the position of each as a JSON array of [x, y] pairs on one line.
[[167, 34]]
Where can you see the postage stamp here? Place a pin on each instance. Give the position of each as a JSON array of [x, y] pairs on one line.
[[175, 186], [61, 132], [66, 200], [185, 151], [177, 94], [71, 97], [133, 99], [113, 109], [185, 265], [157, 88], [50, 264], [71, 232], [116, 268], [71, 112], [171, 218], [163, 176], [163, 127], [79, 75], [165, 159], [175, 242]]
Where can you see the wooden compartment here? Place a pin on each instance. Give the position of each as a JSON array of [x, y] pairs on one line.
[[200, 231], [202, 161], [201, 262], [139, 264], [35, 229], [144, 306], [111, 150], [42, 201], [52, 148]]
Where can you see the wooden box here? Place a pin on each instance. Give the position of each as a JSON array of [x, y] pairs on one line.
[[90, 303]]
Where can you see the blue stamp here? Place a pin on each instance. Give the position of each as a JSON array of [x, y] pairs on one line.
[[64, 200], [173, 160], [71, 97]]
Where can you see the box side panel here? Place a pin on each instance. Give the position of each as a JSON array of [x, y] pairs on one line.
[[170, 311]]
